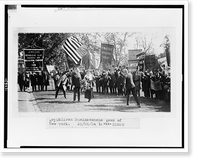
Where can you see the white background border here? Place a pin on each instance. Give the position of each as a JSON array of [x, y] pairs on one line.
[[186, 112]]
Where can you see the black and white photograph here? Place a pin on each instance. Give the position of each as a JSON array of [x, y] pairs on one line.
[[97, 78], [99, 72]]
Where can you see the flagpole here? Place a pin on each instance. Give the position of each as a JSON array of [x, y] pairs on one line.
[[66, 62], [89, 60], [144, 62]]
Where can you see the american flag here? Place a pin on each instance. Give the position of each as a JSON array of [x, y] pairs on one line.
[[72, 47]]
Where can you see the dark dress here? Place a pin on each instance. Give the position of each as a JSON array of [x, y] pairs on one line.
[[26, 81], [98, 84], [39, 82], [33, 82], [21, 81], [146, 85], [88, 89], [120, 87], [45, 78], [88, 94]]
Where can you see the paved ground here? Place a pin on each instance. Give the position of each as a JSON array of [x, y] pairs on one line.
[[44, 101], [23, 101]]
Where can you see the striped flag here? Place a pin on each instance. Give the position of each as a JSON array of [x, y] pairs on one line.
[[71, 47]]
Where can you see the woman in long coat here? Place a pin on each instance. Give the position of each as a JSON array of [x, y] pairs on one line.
[[88, 79], [21, 81], [33, 81]]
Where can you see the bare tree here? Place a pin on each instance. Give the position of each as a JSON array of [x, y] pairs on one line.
[[119, 40], [144, 43], [92, 42]]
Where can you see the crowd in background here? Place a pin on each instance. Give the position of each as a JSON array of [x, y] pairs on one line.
[[38, 80], [153, 83]]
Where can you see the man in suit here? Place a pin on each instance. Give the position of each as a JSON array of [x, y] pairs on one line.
[[97, 79], [76, 82], [130, 86], [33, 81]]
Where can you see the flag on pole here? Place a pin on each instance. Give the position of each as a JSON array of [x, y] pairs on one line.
[[92, 60], [71, 47]]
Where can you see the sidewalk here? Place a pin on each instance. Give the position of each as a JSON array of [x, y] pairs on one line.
[[26, 102]]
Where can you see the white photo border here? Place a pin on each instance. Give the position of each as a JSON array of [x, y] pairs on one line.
[[120, 147]]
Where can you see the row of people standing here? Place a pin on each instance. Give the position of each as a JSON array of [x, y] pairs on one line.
[[23, 81], [156, 85], [119, 82], [38, 81], [114, 83], [108, 82]]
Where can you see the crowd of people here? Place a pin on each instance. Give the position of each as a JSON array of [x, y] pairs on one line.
[[74, 80], [156, 84], [38, 80], [153, 83], [118, 81]]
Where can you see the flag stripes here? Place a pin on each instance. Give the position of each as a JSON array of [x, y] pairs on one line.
[[82, 51], [76, 42], [70, 46]]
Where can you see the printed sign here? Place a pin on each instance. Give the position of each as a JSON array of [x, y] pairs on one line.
[[33, 59], [132, 54], [151, 62], [33, 65], [156, 85], [34, 54], [106, 55], [141, 65]]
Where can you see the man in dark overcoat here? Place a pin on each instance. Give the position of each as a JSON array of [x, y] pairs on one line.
[[130, 86]]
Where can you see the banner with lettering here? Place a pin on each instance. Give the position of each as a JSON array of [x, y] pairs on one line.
[[151, 62], [106, 55], [33, 59], [156, 85]]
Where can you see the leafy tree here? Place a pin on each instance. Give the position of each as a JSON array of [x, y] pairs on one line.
[[54, 54], [51, 42]]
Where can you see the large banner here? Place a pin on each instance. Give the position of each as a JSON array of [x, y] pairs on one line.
[[148, 62], [151, 62], [106, 55], [141, 64], [33, 59], [156, 85]]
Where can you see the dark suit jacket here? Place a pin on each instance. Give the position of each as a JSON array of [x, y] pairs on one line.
[[76, 80], [129, 81]]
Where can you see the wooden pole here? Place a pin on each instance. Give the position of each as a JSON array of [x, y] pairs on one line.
[[66, 63]]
